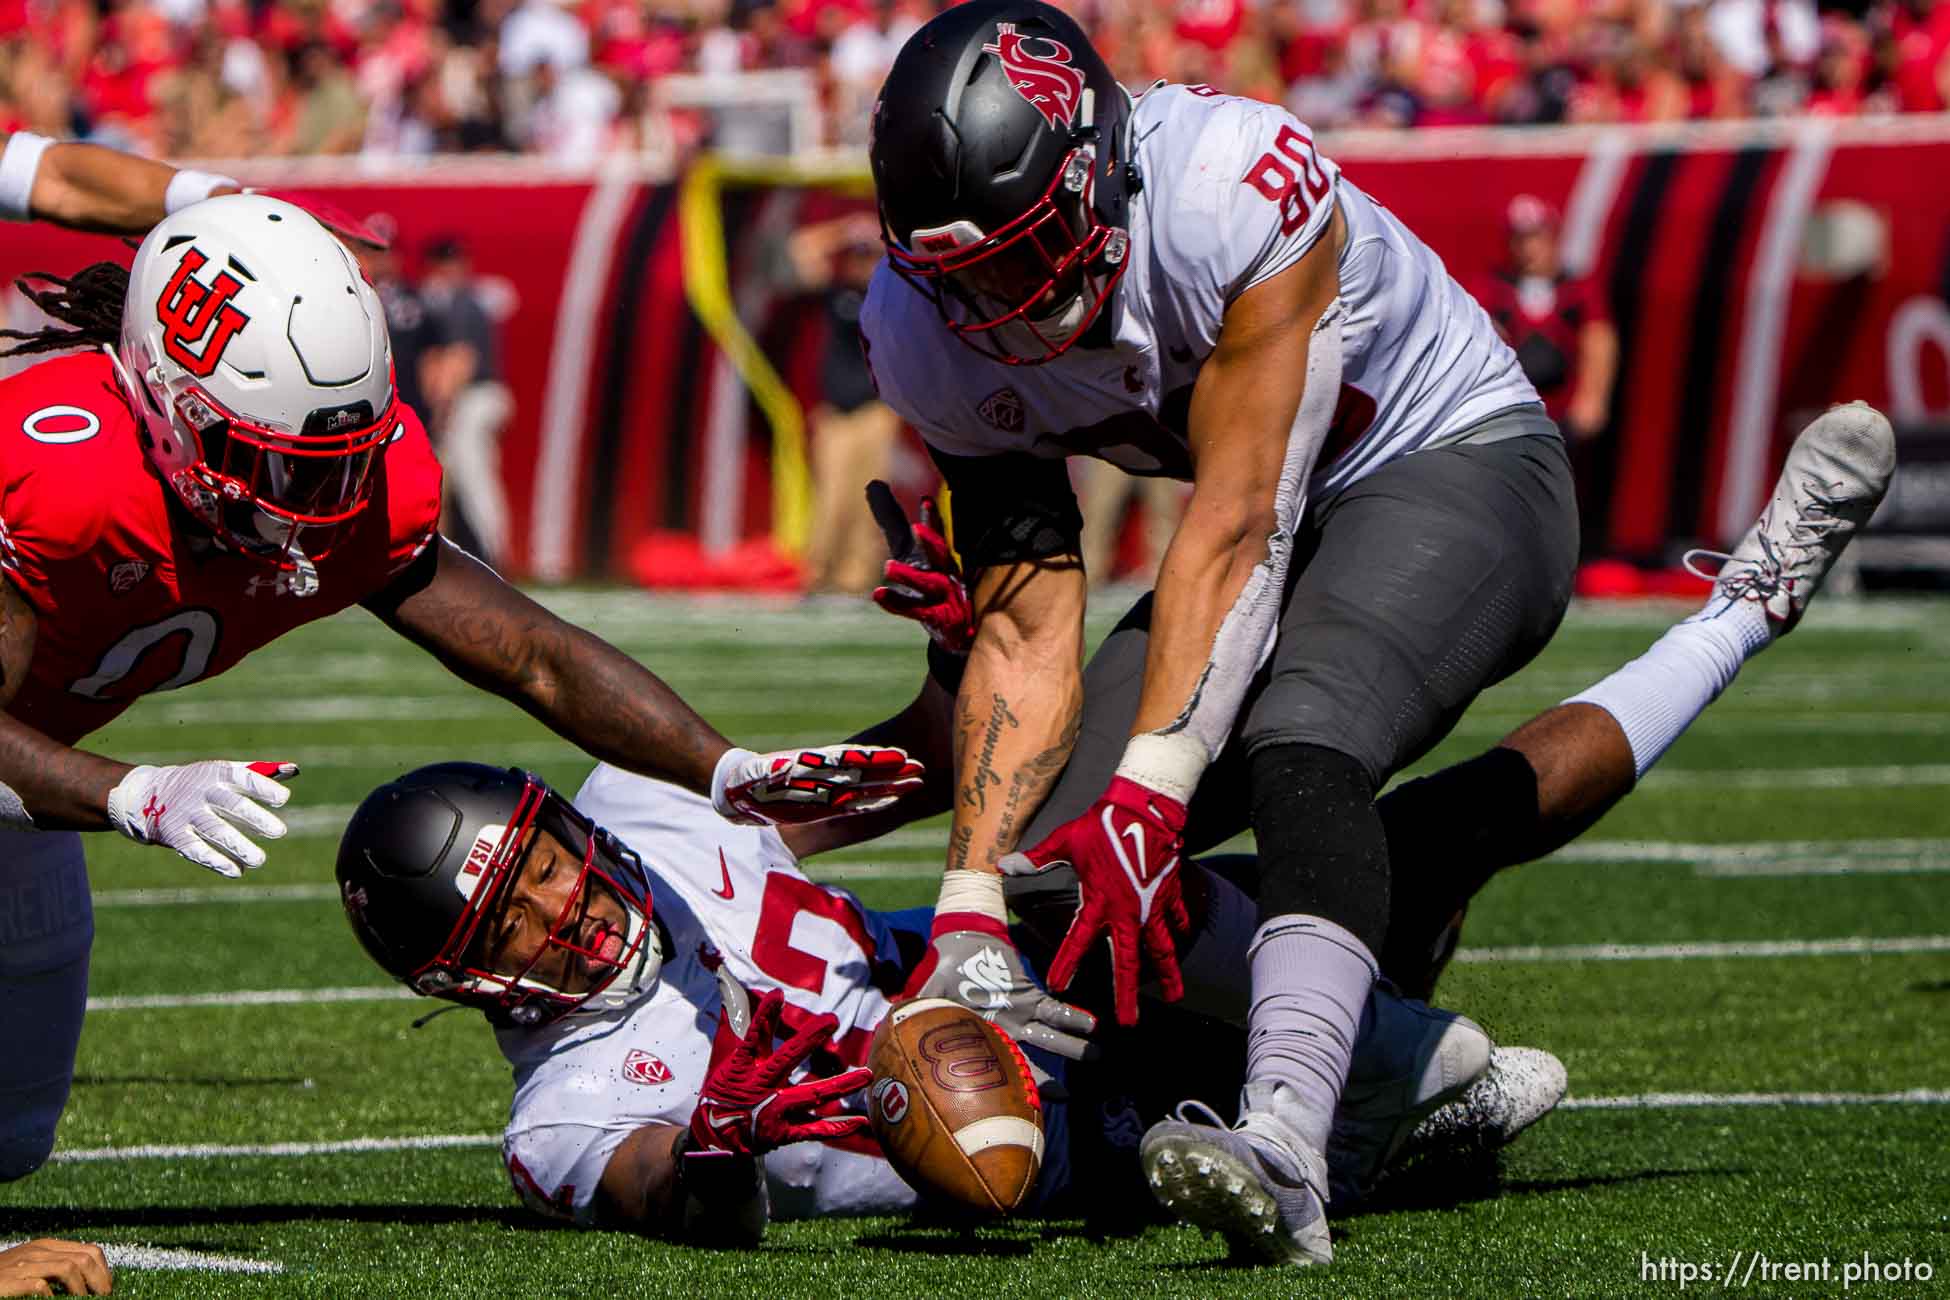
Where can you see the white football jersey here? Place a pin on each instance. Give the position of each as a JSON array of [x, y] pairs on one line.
[[585, 1083], [1234, 192]]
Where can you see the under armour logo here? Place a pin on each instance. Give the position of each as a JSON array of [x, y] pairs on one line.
[[152, 813], [194, 314]]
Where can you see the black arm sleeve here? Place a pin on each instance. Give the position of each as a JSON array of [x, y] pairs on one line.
[[1010, 508]]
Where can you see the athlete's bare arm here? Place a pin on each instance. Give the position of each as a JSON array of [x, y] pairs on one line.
[[1243, 409], [1020, 701], [643, 1191], [639, 1192], [587, 691], [60, 788], [89, 187]]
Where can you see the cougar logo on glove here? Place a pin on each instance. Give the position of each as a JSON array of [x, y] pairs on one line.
[[198, 316], [985, 985], [1046, 77]]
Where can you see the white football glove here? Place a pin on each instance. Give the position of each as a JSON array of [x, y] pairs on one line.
[[198, 808], [795, 786]]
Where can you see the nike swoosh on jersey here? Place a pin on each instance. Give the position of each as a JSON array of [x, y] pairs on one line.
[[725, 867]]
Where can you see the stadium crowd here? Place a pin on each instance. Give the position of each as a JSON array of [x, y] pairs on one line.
[[576, 78]]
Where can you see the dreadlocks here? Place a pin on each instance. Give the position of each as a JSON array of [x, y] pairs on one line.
[[90, 300]]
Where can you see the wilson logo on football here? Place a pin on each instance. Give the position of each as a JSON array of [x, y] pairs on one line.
[[641, 1067], [889, 1097], [198, 320], [1046, 78]]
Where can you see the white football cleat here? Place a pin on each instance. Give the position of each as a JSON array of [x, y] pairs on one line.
[[1836, 475], [1412, 1060], [1521, 1086], [1259, 1184]]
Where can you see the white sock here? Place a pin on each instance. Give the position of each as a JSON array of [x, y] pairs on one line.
[[1311, 981], [1655, 697]]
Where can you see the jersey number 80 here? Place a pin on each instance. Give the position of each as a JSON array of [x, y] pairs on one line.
[[1296, 191]]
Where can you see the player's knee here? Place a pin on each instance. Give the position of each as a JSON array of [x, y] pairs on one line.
[[27, 1143]]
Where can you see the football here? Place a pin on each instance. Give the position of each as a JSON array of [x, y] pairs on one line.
[[955, 1107]]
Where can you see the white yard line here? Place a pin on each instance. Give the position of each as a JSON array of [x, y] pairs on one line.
[[250, 998], [1688, 1100], [452, 1141], [1800, 778], [196, 1261], [1854, 947], [214, 1150], [1851, 947], [238, 893], [1772, 857]]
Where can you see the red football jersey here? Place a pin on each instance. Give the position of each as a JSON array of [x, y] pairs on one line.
[[132, 594]]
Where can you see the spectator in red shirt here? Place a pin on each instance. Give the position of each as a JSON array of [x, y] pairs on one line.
[[1558, 323], [1564, 338]]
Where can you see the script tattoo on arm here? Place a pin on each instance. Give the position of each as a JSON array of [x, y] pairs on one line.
[[975, 792], [1028, 786]]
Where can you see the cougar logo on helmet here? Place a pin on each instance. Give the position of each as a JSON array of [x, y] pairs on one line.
[[1051, 84], [192, 313]]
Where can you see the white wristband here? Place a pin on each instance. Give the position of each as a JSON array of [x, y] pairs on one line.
[[1169, 762], [721, 777], [18, 165], [972, 891], [188, 186]]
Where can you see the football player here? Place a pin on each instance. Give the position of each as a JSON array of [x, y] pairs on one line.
[[1449, 832], [1381, 523], [618, 944], [619, 983], [220, 457]]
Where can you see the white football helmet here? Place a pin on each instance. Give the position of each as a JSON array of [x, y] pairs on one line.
[[257, 356]]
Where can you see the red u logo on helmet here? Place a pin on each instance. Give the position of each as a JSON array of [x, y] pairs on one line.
[[195, 316]]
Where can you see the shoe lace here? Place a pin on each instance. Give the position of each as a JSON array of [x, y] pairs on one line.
[[1197, 1112], [1760, 579]]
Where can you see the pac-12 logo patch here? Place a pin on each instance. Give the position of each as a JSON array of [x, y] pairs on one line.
[[889, 1100], [1003, 409], [641, 1067], [122, 577], [198, 320], [1040, 70]]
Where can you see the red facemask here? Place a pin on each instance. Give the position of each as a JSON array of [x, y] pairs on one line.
[[608, 871], [1026, 293], [307, 484]]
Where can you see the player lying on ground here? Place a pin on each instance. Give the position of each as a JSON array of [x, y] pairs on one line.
[[608, 960], [1449, 832], [1382, 520], [476, 885], [222, 458]]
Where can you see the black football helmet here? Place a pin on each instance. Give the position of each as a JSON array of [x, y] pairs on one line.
[[427, 859], [1001, 151]]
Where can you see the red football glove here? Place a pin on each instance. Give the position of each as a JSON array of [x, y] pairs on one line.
[[748, 1107], [924, 582], [1125, 852]]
